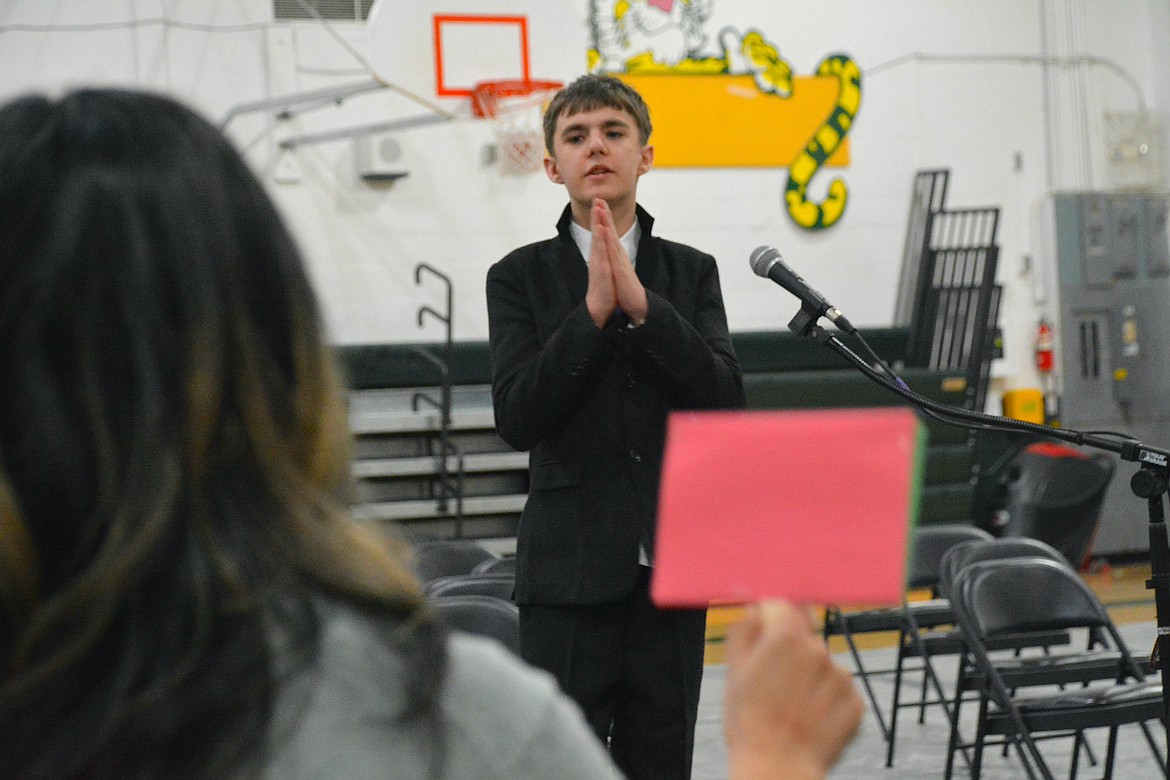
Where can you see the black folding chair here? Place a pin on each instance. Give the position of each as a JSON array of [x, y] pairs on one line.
[[498, 585], [482, 615], [444, 557], [962, 555], [946, 640], [998, 598], [504, 565]]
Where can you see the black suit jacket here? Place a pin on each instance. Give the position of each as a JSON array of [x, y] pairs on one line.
[[590, 405]]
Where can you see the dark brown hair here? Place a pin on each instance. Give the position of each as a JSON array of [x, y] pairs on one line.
[[591, 92], [173, 450]]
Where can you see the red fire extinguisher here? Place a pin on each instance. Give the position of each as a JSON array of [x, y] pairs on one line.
[[1045, 359]]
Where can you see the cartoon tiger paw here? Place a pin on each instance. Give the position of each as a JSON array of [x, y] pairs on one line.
[[752, 54]]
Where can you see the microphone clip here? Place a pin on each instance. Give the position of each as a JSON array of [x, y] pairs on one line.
[[804, 323]]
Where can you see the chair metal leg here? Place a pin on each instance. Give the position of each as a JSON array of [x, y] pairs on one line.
[[891, 735], [910, 636], [860, 666], [1078, 741], [1022, 750], [1110, 753], [1089, 754], [1154, 746], [953, 740], [1029, 751], [980, 736], [922, 702]]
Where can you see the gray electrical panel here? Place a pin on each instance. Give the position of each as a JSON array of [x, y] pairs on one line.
[[1113, 255]]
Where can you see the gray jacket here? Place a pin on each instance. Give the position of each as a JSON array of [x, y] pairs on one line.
[[499, 717]]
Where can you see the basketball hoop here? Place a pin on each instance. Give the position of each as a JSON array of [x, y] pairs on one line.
[[515, 108]]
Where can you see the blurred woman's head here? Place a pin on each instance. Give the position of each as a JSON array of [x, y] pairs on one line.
[[173, 442]]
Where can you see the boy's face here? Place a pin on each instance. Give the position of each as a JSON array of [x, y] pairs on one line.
[[598, 154]]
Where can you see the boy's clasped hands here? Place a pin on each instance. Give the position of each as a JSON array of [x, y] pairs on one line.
[[613, 284]]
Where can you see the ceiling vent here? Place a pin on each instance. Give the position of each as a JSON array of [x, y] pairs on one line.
[[334, 10]]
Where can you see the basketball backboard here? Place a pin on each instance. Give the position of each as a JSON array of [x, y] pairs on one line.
[[439, 49]]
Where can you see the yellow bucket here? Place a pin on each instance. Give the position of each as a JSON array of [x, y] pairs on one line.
[[1025, 404]]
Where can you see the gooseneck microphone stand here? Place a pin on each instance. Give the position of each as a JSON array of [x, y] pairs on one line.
[[1149, 482]]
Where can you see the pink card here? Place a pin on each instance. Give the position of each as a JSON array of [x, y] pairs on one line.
[[814, 506]]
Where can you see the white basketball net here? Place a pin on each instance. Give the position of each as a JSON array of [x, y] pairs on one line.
[[519, 144], [517, 125]]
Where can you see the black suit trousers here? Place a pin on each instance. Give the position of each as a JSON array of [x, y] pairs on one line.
[[635, 671]]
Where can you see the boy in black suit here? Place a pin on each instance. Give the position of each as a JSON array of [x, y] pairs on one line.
[[595, 336]]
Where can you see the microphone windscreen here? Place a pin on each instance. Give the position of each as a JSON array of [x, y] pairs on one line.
[[761, 258]]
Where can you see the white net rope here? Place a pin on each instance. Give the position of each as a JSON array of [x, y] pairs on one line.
[[519, 145], [516, 111]]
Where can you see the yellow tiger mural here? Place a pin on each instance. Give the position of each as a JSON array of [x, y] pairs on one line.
[[668, 37], [807, 214]]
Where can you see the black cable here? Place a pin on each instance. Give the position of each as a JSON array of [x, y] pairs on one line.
[[890, 371], [966, 418]]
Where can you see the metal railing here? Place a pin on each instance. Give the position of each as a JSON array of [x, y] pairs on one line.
[[447, 486]]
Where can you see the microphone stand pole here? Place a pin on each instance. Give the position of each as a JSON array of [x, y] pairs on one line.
[[1149, 482]]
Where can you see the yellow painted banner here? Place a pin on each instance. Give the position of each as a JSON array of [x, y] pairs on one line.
[[725, 121]]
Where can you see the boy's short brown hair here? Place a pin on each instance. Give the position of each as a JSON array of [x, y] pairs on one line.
[[593, 91]]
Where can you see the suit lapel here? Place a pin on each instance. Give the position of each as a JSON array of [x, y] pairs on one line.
[[649, 260], [571, 268], [649, 251]]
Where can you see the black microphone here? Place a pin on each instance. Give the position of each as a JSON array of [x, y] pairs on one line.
[[766, 261]]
